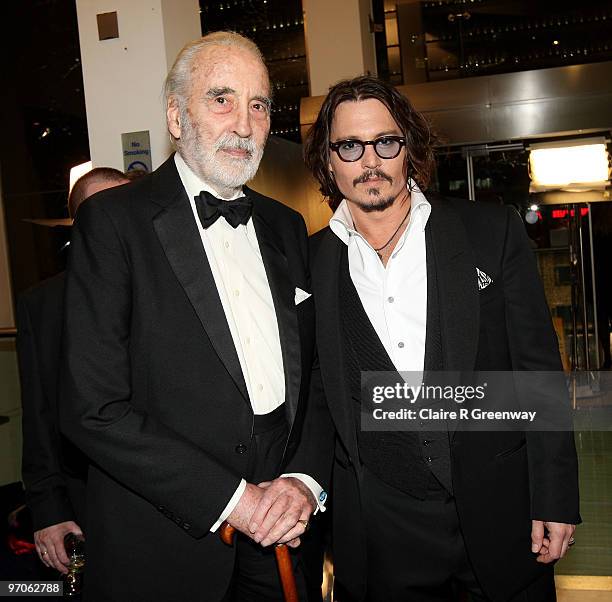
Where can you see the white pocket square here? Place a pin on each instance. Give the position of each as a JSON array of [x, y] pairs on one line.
[[483, 279], [301, 295]]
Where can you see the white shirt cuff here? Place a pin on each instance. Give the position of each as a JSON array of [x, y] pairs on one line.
[[319, 493], [230, 505]]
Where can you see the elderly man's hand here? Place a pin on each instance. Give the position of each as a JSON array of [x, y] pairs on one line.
[[50, 544], [283, 512], [241, 515], [553, 546]]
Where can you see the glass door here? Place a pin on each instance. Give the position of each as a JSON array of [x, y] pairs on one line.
[[562, 237]]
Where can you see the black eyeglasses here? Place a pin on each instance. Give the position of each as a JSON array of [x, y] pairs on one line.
[[386, 147]]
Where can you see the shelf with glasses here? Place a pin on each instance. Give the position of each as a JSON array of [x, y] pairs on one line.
[[536, 58], [286, 59], [485, 34], [277, 27]]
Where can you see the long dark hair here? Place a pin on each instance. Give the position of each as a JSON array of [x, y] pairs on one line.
[[420, 138]]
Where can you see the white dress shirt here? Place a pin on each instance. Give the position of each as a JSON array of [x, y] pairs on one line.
[[240, 276], [394, 297]]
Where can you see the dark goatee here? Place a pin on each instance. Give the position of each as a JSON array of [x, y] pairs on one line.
[[379, 205]]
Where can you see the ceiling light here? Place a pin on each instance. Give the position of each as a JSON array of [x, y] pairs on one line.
[[573, 165]]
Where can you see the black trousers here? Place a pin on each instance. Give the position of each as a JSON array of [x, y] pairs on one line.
[[416, 551], [256, 577]]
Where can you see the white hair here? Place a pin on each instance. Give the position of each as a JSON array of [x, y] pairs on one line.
[[178, 80]]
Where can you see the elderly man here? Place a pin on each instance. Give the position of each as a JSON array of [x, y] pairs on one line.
[[53, 470], [188, 348], [406, 281]]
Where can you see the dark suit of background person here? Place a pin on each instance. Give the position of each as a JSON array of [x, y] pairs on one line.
[[501, 479], [53, 469]]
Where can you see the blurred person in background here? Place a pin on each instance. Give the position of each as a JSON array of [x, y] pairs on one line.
[[53, 469]]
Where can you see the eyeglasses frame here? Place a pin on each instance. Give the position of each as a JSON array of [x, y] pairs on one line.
[[335, 146]]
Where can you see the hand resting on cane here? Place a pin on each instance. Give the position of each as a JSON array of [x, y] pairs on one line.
[[274, 511]]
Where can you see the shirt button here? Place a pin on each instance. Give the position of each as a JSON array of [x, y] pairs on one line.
[[248, 340], [426, 442], [390, 299], [400, 345], [226, 244], [236, 293], [429, 459], [241, 448], [260, 387]]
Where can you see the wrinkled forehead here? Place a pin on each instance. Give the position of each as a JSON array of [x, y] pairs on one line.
[[219, 66]]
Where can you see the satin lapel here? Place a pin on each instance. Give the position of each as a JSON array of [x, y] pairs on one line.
[[330, 339], [178, 234], [283, 296], [457, 287]]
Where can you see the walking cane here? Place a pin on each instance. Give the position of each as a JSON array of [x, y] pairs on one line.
[[283, 560]]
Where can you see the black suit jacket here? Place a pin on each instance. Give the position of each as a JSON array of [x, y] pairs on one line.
[[501, 480], [154, 390], [53, 469]]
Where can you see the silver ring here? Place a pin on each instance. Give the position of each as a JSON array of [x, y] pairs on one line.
[[571, 541], [44, 553]]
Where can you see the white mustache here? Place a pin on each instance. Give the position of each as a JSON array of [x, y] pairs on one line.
[[233, 142]]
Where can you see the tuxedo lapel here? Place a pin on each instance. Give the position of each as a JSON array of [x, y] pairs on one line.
[[457, 290], [179, 236], [457, 287], [283, 296], [330, 338]]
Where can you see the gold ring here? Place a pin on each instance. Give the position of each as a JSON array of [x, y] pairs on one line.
[[305, 523]]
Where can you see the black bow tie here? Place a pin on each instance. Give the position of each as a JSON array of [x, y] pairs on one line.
[[210, 209]]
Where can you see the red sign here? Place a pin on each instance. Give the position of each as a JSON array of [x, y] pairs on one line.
[[562, 213]]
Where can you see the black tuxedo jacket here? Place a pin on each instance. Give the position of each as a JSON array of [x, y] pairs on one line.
[[501, 480], [53, 469], [154, 392]]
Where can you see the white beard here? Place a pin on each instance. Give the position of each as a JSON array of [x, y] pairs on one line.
[[222, 171]]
